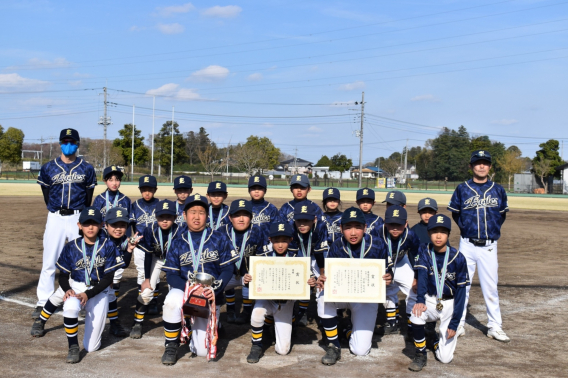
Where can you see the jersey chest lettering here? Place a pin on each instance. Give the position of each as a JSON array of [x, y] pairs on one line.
[[476, 202], [207, 256], [260, 218], [146, 219], [82, 264], [64, 178]]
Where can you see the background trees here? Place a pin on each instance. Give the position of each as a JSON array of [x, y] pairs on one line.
[[124, 144]]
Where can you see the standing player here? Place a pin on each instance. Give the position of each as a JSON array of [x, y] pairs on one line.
[[332, 214], [183, 187], [395, 197], [355, 244], [300, 187], [427, 207], [67, 183], [142, 216], [262, 210], [366, 201], [479, 207], [218, 211]]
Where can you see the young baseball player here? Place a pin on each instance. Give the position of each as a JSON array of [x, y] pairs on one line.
[[142, 216], [86, 267], [427, 207], [332, 213], [67, 183], [479, 208], [218, 211], [157, 241], [262, 210], [355, 243], [402, 246], [247, 239], [280, 235], [300, 188], [442, 283], [183, 187], [395, 197], [198, 249], [366, 201]]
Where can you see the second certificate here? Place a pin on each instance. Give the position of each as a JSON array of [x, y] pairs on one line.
[[279, 278]]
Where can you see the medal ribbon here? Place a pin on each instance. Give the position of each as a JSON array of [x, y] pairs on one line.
[[211, 218], [115, 204], [199, 251], [362, 254], [304, 247], [89, 267], [162, 242], [437, 279], [242, 250], [389, 244]]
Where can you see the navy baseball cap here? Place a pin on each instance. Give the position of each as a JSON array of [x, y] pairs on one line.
[[480, 155], [353, 214], [331, 193], [280, 229], [217, 187], [147, 180], [257, 180], [239, 205], [117, 214], [196, 198], [69, 134], [301, 180], [183, 182], [365, 193], [427, 203], [112, 169], [440, 220], [90, 213], [396, 214], [395, 198], [304, 210], [166, 207]]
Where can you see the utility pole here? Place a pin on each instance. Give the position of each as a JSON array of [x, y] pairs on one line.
[[153, 108], [41, 147], [172, 152], [405, 162], [132, 160], [361, 140], [296, 160], [105, 121]]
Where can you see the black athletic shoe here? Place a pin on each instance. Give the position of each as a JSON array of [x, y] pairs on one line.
[[303, 322], [153, 308], [418, 362], [255, 354], [116, 329], [391, 329], [332, 355], [136, 331], [231, 317], [73, 355], [170, 354], [243, 318], [37, 312], [37, 329]]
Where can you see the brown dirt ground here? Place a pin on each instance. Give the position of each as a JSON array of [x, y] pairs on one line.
[[533, 290]]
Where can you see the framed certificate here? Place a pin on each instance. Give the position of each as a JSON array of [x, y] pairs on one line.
[[283, 278], [355, 280]]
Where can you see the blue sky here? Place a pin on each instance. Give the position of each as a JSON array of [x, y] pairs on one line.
[[290, 70]]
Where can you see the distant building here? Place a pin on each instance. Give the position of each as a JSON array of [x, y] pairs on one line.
[[368, 172], [295, 166]]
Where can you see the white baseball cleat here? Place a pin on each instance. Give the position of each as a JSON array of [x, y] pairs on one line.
[[460, 331], [498, 335]]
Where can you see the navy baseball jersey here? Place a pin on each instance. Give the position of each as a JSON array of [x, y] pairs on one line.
[[142, 214], [107, 259], [374, 223], [333, 223], [480, 208], [421, 230], [319, 243], [263, 212], [150, 243], [406, 244], [254, 244], [67, 183], [374, 249], [179, 216], [286, 213], [220, 217], [115, 199], [122, 245]]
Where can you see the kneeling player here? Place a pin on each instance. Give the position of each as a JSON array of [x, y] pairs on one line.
[[356, 244], [442, 280]]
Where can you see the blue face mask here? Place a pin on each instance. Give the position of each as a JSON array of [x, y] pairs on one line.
[[69, 149]]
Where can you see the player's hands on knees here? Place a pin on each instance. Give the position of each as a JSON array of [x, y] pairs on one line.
[[146, 285], [131, 246], [69, 293], [208, 293], [387, 278], [83, 298], [451, 333], [321, 282], [418, 309], [247, 278], [415, 286]]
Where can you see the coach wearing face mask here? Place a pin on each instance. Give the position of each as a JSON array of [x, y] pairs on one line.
[[67, 183]]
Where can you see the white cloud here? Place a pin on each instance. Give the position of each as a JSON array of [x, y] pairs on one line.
[[315, 129], [352, 86], [210, 73], [175, 9], [15, 81], [504, 122], [229, 11], [426, 97], [135, 28], [254, 77], [174, 28], [174, 90], [36, 63]]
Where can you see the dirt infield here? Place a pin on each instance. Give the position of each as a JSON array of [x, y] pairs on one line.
[[533, 291]]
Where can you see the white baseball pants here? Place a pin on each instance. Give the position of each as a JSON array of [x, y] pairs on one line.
[[147, 295], [283, 315], [234, 283], [403, 278]]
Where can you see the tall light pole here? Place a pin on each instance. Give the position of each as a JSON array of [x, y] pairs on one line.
[[132, 160], [172, 152], [361, 140], [153, 108]]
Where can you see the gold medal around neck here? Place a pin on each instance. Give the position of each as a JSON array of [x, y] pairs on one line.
[[439, 306]]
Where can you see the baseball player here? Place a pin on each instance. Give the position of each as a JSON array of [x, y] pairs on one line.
[[67, 183], [218, 211], [332, 213], [366, 201], [402, 245], [157, 241], [183, 187], [198, 249], [262, 210], [395, 197], [442, 282], [280, 235], [86, 267], [247, 239], [300, 187], [142, 216], [354, 244], [479, 208]]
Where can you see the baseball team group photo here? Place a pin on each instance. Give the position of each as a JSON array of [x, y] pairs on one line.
[[322, 228]]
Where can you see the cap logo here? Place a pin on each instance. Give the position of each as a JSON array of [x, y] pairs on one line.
[[91, 212], [281, 227], [241, 203], [304, 209], [257, 179], [197, 197], [426, 202], [440, 219], [395, 213], [218, 185], [353, 214], [166, 206], [298, 178], [68, 132], [330, 191], [365, 192], [182, 180], [113, 168], [481, 153], [391, 196], [146, 179], [119, 213]]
